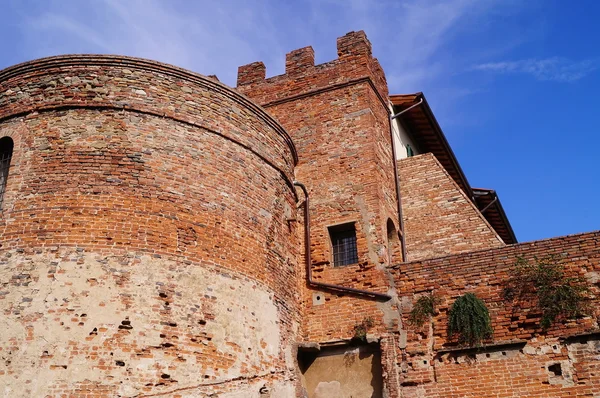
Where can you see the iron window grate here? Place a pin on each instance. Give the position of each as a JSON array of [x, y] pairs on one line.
[[343, 241]]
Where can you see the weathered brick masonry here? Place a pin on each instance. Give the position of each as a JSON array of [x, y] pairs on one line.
[[145, 247], [337, 115], [515, 363], [151, 240], [430, 197], [333, 113]]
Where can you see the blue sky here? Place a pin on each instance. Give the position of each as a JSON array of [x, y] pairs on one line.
[[514, 84]]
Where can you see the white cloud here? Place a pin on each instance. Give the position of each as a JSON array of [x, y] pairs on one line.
[[424, 29], [216, 37], [208, 37], [549, 69], [51, 21], [418, 42]]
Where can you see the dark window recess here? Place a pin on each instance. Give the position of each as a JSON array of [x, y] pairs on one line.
[[343, 242], [556, 369], [409, 151], [6, 150]]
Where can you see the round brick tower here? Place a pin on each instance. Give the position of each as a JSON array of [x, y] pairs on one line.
[[145, 247]]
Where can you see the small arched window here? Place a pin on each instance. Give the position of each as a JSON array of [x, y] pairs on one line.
[[6, 151], [393, 243]]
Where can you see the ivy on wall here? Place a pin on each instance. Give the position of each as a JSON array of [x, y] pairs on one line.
[[545, 283], [469, 319], [423, 309]]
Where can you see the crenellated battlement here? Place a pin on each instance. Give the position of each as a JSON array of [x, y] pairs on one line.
[[251, 73], [355, 61], [354, 43], [299, 60]]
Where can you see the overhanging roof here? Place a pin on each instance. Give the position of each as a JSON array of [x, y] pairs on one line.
[[429, 137], [488, 203]]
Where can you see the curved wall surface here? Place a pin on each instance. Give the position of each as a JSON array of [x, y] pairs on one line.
[[144, 243]]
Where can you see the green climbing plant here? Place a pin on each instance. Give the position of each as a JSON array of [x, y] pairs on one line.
[[544, 282], [423, 309], [469, 318]]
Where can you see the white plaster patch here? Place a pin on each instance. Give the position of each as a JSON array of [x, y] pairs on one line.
[[73, 315]]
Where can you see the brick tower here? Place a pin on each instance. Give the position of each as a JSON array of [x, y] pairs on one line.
[[338, 116], [145, 247]]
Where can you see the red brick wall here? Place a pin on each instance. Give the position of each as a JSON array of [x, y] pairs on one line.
[[428, 368], [337, 116], [145, 242], [148, 241], [439, 219]]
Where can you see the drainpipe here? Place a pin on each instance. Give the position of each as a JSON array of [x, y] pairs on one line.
[[395, 164], [308, 261]]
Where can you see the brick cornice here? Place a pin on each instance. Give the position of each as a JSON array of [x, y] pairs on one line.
[[332, 87]]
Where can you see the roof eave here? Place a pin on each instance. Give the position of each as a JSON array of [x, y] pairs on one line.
[[497, 206], [404, 101], [401, 101]]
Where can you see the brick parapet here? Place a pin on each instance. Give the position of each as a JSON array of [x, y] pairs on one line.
[[297, 61], [485, 272], [520, 357], [355, 63]]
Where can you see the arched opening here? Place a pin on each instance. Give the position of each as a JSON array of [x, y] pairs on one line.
[[394, 248], [6, 151]]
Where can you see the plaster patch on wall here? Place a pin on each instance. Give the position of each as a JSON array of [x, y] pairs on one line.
[[560, 372], [131, 321], [342, 372]]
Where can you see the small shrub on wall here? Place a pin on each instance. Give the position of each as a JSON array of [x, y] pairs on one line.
[[423, 309], [361, 329], [469, 319], [544, 283]]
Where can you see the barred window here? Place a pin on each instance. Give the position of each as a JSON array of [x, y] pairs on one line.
[[6, 150], [343, 242]]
